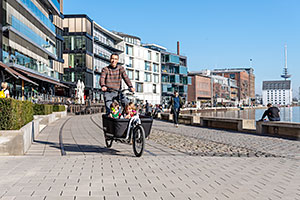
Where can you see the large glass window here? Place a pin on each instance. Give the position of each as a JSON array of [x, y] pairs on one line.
[[139, 87], [147, 66], [129, 50], [137, 75], [156, 78], [149, 55], [32, 7], [183, 70], [154, 89], [157, 57], [129, 74], [76, 60], [22, 28], [155, 67], [130, 62], [147, 77]]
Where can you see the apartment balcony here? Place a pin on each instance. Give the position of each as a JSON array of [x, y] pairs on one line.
[[35, 14], [25, 33], [113, 47]]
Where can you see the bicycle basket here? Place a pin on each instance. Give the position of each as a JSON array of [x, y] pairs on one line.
[[117, 127]]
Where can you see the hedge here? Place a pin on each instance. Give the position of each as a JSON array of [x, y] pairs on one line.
[[42, 109], [59, 108], [14, 114]]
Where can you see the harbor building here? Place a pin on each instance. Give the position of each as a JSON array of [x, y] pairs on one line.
[[245, 79], [277, 92], [31, 42]]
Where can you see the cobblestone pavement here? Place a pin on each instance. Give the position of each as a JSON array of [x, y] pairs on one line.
[[90, 171], [257, 143]]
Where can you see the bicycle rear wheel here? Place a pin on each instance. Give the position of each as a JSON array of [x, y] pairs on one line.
[[138, 141]]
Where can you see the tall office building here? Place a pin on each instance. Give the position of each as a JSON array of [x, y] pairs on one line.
[[174, 73], [32, 43], [143, 69], [277, 92]]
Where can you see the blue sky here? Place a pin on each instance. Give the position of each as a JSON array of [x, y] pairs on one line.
[[213, 34]]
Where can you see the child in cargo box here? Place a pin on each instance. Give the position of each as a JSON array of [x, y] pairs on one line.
[[114, 110], [130, 110]]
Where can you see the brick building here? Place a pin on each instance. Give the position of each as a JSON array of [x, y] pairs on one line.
[[245, 82], [200, 89]]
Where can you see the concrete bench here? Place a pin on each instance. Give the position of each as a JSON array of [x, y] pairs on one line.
[[236, 124], [284, 129]]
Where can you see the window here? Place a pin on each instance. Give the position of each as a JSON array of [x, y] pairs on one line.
[[139, 87], [147, 66], [232, 76], [149, 55], [156, 80], [129, 74], [130, 62], [147, 77], [154, 88], [129, 50], [157, 57], [76, 60], [137, 75], [155, 67]]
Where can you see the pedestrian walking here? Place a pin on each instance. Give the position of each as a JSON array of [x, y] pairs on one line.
[[272, 113], [111, 77], [176, 103]]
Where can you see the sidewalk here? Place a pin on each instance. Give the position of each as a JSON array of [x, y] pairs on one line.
[[90, 171]]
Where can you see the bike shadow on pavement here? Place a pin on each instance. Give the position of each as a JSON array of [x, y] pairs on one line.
[[85, 149]]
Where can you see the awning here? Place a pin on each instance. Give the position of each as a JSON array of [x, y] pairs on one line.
[[16, 74], [41, 78]]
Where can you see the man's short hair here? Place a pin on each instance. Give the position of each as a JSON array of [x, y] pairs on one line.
[[269, 104], [114, 54]]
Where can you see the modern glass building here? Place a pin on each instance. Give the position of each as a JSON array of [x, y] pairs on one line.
[[78, 52], [32, 44]]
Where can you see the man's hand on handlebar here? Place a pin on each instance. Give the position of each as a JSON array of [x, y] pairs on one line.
[[104, 89], [132, 89]]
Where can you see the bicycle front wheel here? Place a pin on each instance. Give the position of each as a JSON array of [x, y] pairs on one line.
[[138, 141]]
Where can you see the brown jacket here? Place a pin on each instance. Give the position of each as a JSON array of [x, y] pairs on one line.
[[112, 77]]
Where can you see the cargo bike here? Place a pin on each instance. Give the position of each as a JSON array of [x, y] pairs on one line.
[[129, 131]]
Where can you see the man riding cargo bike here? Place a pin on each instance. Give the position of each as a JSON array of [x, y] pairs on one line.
[[133, 130]]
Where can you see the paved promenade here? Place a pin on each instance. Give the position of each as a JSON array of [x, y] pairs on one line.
[[91, 171]]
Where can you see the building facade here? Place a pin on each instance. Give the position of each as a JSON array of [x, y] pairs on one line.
[[277, 92], [32, 43], [78, 53], [143, 67], [245, 82], [174, 73], [200, 89]]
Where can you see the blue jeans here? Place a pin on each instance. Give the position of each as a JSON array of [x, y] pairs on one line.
[[109, 97], [175, 115]]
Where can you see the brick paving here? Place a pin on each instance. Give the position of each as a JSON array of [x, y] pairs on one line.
[[90, 171]]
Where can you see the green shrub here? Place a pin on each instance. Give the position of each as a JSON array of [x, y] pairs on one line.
[[14, 114], [42, 109], [59, 108]]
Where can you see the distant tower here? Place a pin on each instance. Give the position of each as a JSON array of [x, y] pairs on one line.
[[285, 74]]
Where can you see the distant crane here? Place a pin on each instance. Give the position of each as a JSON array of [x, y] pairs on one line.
[[285, 74]]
